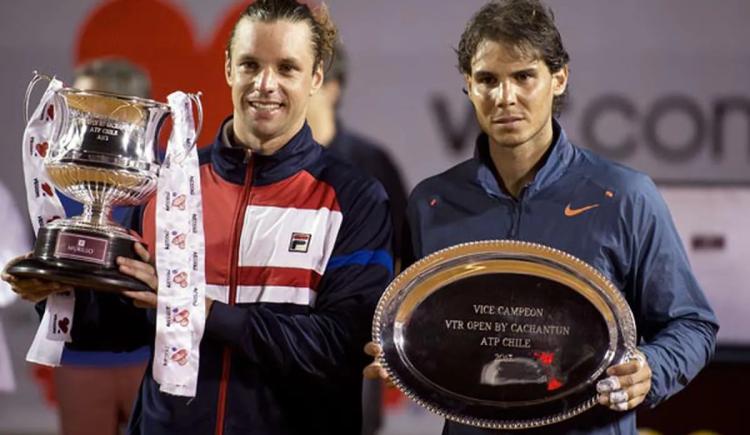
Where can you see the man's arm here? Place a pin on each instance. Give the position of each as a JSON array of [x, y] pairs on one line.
[[676, 323]]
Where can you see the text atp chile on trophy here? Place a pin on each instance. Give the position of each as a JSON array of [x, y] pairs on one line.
[[511, 327]]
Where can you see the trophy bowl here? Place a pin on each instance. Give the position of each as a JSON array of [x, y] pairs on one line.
[[502, 334], [103, 152]]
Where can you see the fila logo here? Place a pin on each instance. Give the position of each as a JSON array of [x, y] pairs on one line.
[[300, 242]]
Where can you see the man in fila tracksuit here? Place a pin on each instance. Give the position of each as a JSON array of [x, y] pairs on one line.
[[297, 255]]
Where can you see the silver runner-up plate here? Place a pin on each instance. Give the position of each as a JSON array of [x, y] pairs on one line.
[[502, 334]]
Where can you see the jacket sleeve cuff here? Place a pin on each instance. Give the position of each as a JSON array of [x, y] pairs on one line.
[[226, 322], [653, 397]]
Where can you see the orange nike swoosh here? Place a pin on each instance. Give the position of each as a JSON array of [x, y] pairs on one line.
[[570, 212]]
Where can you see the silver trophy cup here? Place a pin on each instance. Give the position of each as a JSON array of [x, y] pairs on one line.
[[104, 153]]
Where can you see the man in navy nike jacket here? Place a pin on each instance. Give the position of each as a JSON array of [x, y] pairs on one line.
[[527, 182]]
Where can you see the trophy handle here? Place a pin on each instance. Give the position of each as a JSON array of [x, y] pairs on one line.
[[60, 123], [196, 97], [29, 89]]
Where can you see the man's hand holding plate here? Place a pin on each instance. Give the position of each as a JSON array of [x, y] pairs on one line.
[[627, 385]]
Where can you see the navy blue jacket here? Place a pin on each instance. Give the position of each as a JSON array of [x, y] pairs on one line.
[[629, 237]]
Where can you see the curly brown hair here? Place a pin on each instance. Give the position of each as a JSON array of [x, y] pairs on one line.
[[316, 14], [527, 25]]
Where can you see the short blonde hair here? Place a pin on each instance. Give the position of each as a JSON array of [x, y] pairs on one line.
[[315, 13]]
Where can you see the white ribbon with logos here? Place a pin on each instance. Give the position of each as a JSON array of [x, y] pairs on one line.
[[180, 258], [44, 207]]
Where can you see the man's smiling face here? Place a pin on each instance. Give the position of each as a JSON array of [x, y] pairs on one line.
[[272, 75]]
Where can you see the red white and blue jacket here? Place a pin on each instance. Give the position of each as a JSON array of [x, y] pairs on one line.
[[297, 255]]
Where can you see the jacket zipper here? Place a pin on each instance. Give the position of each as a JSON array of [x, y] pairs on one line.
[[518, 212], [516, 220], [227, 354]]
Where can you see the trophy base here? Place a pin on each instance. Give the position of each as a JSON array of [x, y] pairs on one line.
[[80, 259]]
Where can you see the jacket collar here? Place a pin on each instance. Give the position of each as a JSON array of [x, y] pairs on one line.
[[230, 160], [557, 160]]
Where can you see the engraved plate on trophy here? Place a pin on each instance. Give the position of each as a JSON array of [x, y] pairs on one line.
[[103, 152], [502, 334]]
